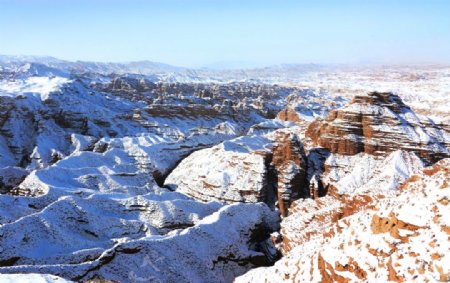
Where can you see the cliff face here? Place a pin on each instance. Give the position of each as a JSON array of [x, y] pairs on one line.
[[379, 123], [289, 161], [393, 237], [6, 105], [268, 168]]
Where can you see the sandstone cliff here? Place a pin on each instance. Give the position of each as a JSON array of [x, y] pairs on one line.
[[379, 123]]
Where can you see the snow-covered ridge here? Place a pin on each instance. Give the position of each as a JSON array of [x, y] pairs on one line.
[[402, 237]]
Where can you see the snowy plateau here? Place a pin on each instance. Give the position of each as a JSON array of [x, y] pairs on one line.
[[145, 172]]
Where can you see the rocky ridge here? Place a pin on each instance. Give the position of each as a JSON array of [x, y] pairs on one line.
[[379, 123], [395, 238], [267, 168]]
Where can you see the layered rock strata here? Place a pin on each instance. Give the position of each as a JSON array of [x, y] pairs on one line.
[[379, 123]]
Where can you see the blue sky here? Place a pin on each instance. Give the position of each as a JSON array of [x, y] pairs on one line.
[[213, 32]]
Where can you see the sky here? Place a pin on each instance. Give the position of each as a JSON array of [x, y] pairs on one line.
[[215, 33]]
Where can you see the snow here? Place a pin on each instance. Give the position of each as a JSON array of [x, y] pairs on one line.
[[230, 174], [32, 278], [218, 235], [37, 86], [426, 248], [94, 159], [363, 172]]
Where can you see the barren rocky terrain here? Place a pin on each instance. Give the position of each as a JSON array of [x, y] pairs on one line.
[[150, 173]]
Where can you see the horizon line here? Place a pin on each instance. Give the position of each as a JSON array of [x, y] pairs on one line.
[[245, 65]]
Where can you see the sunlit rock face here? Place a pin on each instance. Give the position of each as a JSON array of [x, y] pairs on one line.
[[289, 162], [289, 114], [269, 168], [379, 123]]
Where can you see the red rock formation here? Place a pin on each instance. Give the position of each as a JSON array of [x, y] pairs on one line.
[[288, 114], [246, 169], [400, 237], [379, 123], [289, 161], [310, 218]]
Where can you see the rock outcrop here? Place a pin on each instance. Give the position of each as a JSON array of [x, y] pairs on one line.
[[393, 238], [6, 105], [289, 162], [354, 183], [363, 173], [289, 114], [270, 168], [379, 123], [233, 171], [10, 177]]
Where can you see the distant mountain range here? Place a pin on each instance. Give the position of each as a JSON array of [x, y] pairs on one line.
[[139, 67], [220, 72], [147, 67]]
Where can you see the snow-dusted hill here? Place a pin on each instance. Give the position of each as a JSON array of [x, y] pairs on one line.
[[142, 172], [402, 237]]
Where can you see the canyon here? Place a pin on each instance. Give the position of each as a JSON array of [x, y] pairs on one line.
[[174, 175]]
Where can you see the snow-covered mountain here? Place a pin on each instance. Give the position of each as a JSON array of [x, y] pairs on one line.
[[137, 67], [141, 172]]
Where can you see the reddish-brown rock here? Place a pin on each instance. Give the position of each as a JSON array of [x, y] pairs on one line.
[[289, 114], [289, 161], [268, 169], [397, 237], [379, 123]]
